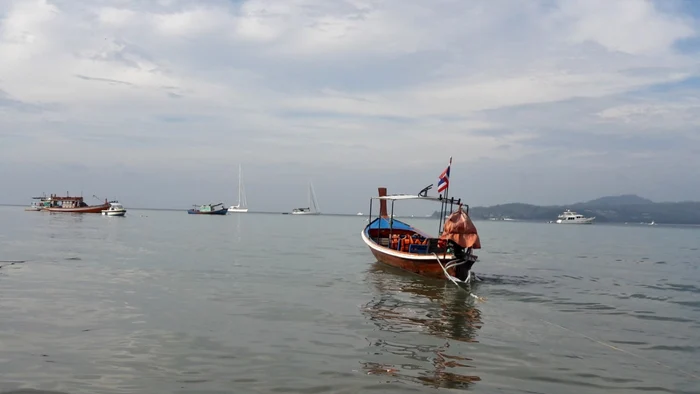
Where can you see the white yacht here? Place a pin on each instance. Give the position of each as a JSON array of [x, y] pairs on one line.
[[242, 205], [115, 209], [570, 217], [312, 203]]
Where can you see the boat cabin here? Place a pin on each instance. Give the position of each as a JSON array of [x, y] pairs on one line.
[[55, 201], [207, 207]]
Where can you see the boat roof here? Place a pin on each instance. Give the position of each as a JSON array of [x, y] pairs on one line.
[[66, 198], [384, 223], [408, 197]]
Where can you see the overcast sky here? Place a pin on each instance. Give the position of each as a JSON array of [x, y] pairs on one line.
[[156, 102]]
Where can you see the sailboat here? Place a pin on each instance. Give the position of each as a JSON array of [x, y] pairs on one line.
[[312, 203], [242, 205]]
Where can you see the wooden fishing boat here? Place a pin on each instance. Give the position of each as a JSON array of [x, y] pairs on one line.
[[399, 244], [208, 209], [72, 204]]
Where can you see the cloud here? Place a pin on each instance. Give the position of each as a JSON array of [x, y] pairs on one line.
[[181, 86]]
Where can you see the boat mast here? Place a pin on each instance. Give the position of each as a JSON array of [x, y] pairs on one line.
[[239, 185], [312, 197]]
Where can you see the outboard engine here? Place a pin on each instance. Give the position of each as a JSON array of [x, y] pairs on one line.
[[461, 270], [462, 237]]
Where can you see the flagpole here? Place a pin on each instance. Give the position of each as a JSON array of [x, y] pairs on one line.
[[447, 190], [443, 208]]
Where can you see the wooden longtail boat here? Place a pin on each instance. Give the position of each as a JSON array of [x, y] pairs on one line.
[[398, 244], [71, 204]]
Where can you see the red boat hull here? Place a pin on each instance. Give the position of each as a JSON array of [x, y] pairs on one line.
[[88, 209], [417, 263], [420, 267]]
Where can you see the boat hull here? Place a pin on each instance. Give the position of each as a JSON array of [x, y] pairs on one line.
[[114, 213], [577, 221], [420, 264], [306, 213], [222, 211], [239, 210], [88, 209]]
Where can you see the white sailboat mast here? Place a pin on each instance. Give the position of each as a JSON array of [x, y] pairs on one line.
[[239, 185], [312, 198]]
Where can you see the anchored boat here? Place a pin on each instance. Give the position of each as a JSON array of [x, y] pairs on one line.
[[35, 206], [242, 206], [571, 217], [115, 209], [71, 204], [312, 203], [208, 209], [399, 244]]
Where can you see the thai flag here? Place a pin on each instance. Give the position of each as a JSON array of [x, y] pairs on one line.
[[444, 182]]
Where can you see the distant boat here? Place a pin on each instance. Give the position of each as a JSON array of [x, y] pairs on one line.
[[115, 209], [570, 217], [71, 204], [359, 214], [242, 205], [35, 206], [312, 203], [208, 209]]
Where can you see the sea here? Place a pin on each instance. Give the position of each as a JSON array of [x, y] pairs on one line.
[[166, 302]]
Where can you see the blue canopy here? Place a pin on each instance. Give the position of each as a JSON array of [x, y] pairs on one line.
[[384, 223]]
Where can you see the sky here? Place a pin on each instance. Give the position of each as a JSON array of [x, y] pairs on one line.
[[157, 102]]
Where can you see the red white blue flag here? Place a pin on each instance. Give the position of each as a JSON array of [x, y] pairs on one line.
[[444, 182]]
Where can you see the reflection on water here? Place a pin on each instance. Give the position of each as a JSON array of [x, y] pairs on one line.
[[163, 302], [407, 305]]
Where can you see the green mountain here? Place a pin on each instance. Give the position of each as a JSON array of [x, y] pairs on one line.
[[614, 209]]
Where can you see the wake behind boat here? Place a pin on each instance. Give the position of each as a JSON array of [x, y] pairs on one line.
[[399, 244]]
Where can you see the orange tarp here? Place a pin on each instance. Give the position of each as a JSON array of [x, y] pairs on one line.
[[460, 229]]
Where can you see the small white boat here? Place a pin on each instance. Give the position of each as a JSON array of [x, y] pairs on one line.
[[242, 206], [115, 209], [312, 203], [34, 207], [570, 217]]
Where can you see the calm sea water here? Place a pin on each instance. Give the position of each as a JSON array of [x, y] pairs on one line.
[[165, 302]]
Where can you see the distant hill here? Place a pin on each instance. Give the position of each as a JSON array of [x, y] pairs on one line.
[[614, 209], [625, 199]]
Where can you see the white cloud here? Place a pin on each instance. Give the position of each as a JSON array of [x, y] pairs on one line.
[[115, 17], [633, 27], [327, 83]]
